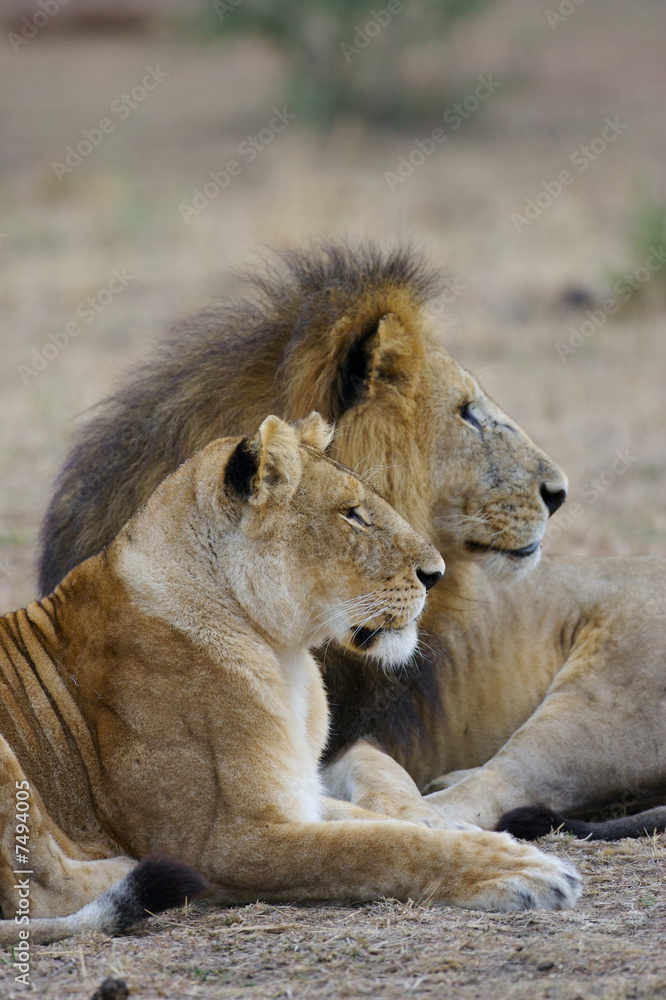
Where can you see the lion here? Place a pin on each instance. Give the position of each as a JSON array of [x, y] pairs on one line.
[[162, 700], [542, 678]]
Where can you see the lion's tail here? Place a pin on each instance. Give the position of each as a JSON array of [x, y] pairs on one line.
[[530, 822], [154, 885]]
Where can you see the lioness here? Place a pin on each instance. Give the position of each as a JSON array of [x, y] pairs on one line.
[[545, 686], [163, 699]]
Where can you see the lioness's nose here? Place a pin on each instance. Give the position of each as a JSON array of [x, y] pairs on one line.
[[428, 579], [553, 499]]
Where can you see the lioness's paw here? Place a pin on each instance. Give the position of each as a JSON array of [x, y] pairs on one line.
[[537, 882], [435, 821], [422, 815]]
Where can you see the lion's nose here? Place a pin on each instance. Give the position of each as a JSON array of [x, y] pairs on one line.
[[428, 579], [553, 499]]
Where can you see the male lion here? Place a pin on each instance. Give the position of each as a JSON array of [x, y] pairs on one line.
[[542, 687], [163, 699]]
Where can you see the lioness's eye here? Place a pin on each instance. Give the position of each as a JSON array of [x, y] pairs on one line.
[[352, 514], [466, 414]]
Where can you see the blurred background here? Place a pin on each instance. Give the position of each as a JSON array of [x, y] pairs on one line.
[[148, 146]]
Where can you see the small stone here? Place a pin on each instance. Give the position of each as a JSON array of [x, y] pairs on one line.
[[111, 989], [578, 298]]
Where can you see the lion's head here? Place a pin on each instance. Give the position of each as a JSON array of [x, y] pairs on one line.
[[446, 455], [270, 529], [416, 423]]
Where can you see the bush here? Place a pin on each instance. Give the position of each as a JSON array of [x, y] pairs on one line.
[[344, 58]]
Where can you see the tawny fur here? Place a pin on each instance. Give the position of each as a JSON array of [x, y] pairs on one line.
[[163, 700], [551, 688]]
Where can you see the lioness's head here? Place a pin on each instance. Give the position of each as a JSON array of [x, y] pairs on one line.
[[287, 539]]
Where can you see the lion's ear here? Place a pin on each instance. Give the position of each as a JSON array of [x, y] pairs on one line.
[[383, 354], [396, 357], [315, 431], [267, 465]]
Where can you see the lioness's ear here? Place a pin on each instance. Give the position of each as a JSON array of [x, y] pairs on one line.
[[315, 431], [241, 469], [385, 354], [266, 465]]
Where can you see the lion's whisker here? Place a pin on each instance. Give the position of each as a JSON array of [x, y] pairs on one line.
[[366, 459]]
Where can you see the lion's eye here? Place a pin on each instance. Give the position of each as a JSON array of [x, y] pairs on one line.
[[468, 416], [353, 514]]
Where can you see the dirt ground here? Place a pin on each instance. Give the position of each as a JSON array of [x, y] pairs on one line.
[[517, 296], [610, 947]]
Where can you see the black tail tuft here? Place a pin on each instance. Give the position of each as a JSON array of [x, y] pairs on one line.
[[156, 884], [530, 822]]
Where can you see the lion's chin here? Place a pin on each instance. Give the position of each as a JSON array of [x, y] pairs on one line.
[[505, 564], [395, 646], [390, 647]]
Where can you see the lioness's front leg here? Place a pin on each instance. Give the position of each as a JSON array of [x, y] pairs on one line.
[[449, 779], [364, 775], [599, 732], [354, 861]]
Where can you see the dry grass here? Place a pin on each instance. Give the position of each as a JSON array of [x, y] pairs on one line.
[[120, 209], [610, 946]]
